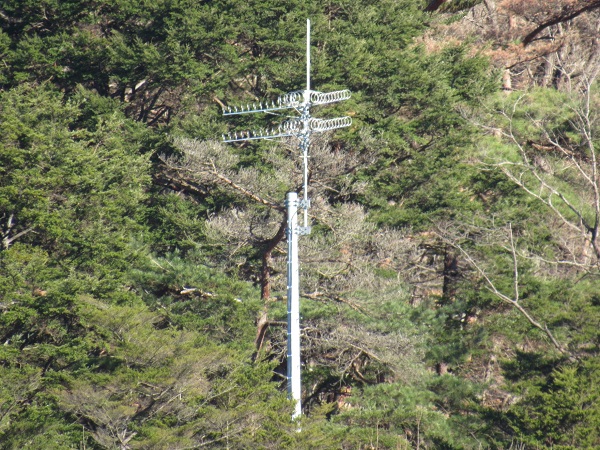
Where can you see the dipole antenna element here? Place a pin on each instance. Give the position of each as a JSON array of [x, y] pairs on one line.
[[301, 127]]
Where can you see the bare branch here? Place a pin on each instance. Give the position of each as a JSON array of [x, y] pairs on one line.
[[567, 13], [7, 239], [513, 300]]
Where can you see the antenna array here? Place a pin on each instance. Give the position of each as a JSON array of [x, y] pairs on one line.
[[293, 99], [292, 127], [301, 126], [301, 101]]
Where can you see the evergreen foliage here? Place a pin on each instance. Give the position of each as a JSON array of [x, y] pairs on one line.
[[449, 294]]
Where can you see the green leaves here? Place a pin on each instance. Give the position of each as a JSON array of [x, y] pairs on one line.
[[73, 190], [122, 320], [561, 410]]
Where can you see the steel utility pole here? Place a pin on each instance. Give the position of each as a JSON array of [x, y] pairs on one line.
[[294, 384], [300, 127]]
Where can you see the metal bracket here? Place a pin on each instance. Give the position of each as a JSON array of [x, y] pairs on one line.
[[304, 204], [303, 231]]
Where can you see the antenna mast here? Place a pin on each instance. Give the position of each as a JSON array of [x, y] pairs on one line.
[[307, 55], [300, 127]]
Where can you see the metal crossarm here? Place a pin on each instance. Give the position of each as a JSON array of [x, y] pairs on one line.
[[291, 100], [252, 136], [286, 129], [288, 101], [292, 127]]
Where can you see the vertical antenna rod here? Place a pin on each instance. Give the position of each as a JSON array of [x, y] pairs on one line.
[[305, 138], [307, 56]]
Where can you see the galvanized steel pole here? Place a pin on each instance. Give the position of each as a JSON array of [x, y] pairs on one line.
[[293, 306]]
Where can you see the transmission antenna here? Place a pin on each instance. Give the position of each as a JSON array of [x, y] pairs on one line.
[[300, 127]]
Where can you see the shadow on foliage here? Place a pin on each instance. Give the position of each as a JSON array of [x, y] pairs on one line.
[[529, 364]]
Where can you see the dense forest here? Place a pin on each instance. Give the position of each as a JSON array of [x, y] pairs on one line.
[[449, 288]]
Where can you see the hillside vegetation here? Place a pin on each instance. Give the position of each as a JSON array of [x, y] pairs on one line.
[[449, 289]]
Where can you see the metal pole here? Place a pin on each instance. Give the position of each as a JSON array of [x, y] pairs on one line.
[[304, 145], [293, 306], [305, 138]]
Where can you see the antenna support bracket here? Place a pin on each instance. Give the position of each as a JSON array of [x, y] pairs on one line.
[[304, 204], [303, 231]]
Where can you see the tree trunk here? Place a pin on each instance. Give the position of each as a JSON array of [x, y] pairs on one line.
[[265, 276], [262, 322], [450, 274]]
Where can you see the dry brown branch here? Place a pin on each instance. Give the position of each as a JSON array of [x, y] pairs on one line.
[[569, 11], [536, 42]]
